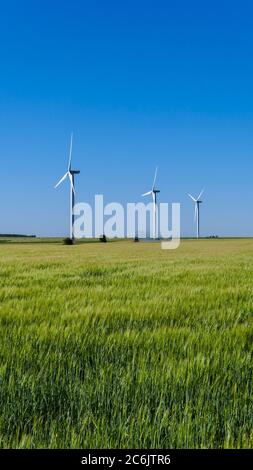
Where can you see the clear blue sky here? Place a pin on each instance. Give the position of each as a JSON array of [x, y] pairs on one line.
[[141, 83]]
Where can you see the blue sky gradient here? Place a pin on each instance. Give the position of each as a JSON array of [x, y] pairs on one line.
[[140, 83]]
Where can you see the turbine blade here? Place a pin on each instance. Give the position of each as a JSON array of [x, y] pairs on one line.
[[195, 200], [61, 180], [147, 194], [156, 170], [70, 151], [201, 194], [71, 181]]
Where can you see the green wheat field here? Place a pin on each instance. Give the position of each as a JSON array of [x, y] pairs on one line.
[[124, 345]]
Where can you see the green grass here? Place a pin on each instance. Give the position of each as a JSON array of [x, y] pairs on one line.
[[125, 345]]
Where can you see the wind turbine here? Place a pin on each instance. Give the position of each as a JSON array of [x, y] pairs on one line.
[[197, 203], [71, 175], [154, 193]]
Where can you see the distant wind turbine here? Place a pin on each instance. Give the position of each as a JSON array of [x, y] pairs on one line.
[[197, 201], [71, 175], [154, 193]]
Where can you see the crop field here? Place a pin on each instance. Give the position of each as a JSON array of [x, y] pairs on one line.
[[124, 345]]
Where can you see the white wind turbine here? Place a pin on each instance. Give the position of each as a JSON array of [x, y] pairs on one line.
[[197, 201], [71, 175], [154, 193]]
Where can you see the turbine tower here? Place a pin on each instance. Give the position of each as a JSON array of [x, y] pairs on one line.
[[197, 203], [71, 175], [154, 193]]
